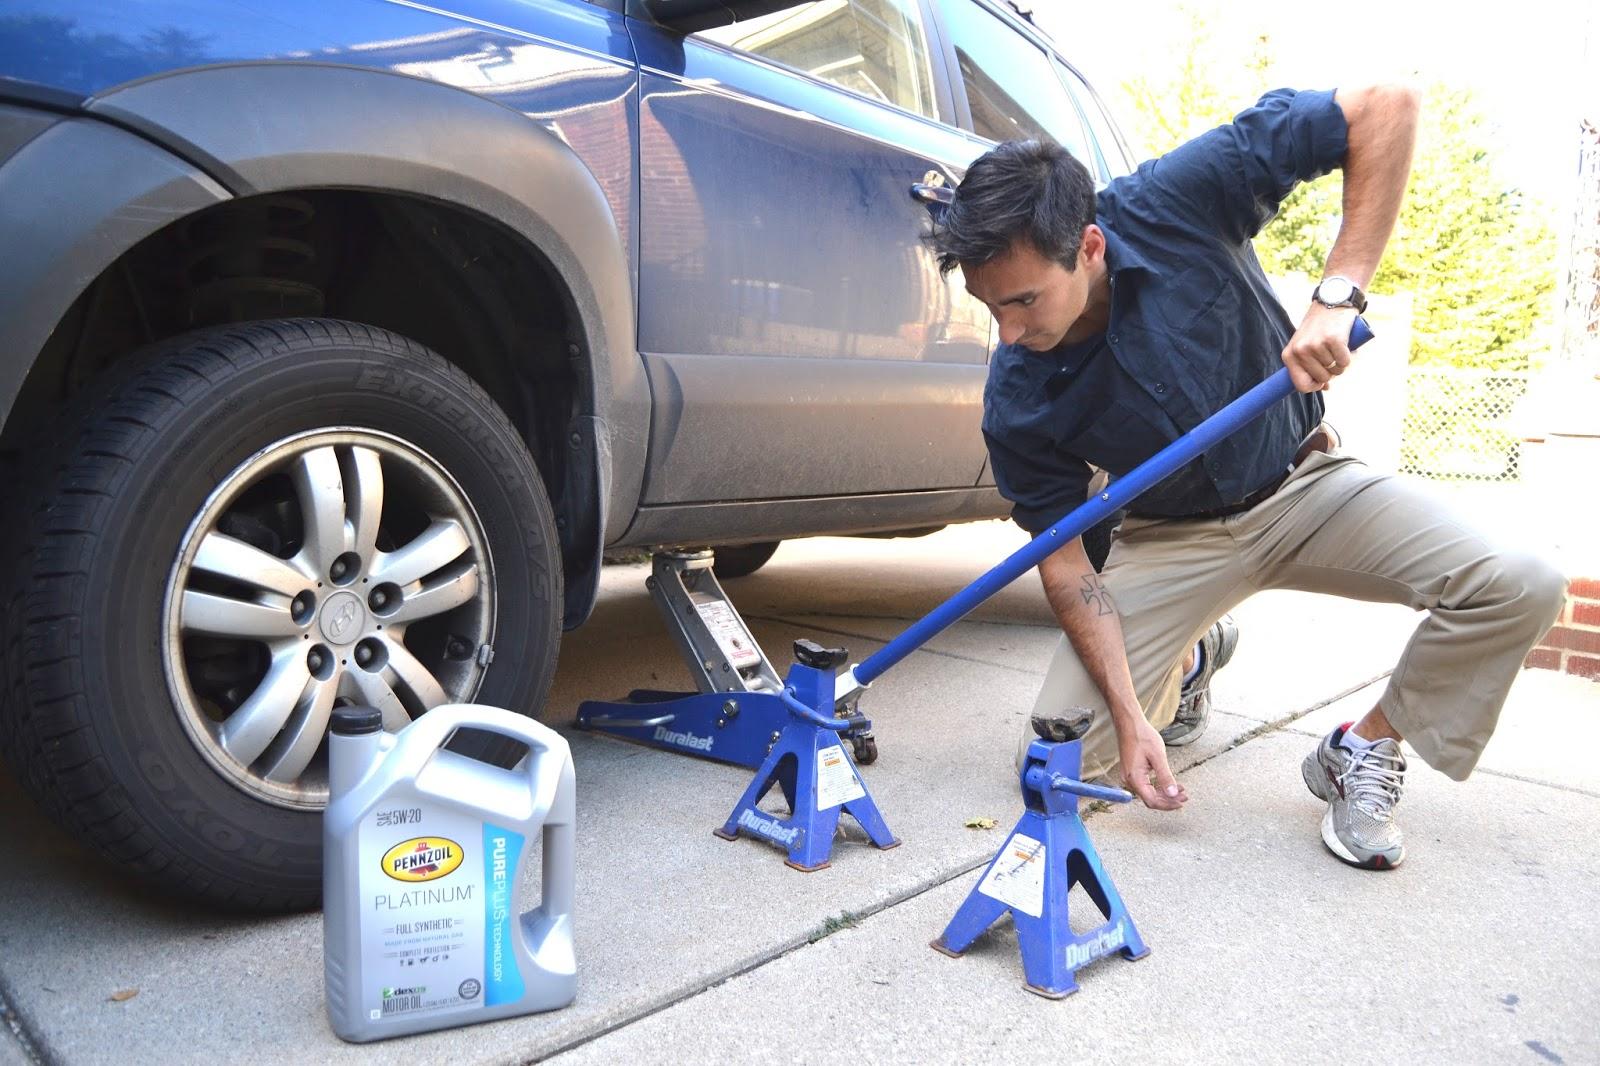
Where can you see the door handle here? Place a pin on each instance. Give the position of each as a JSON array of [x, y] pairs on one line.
[[935, 196]]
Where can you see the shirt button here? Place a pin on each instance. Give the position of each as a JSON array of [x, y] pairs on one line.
[[1113, 338], [1160, 387]]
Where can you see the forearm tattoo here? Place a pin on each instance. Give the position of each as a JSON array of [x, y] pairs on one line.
[[1094, 592]]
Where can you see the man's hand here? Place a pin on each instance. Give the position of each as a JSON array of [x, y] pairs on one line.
[[1319, 351], [1144, 757]]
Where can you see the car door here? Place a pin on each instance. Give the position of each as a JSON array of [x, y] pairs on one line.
[[798, 336]]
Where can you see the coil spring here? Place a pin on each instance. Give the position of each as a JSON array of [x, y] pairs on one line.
[[251, 260]]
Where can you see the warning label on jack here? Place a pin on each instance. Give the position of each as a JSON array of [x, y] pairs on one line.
[[729, 633], [1017, 876], [836, 779]]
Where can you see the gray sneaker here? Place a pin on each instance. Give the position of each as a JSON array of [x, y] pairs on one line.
[[1361, 787], [1194, 702]]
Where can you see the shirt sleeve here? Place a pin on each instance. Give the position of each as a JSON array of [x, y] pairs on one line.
[[1042, 487], [1232, 179]]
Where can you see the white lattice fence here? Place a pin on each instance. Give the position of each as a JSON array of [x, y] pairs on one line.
[[1457, 423]]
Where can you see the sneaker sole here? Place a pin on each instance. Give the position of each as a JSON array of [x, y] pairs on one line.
[[1331, 841]]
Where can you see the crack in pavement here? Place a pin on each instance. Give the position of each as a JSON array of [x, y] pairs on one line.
[[879, 640], [31, 1049], [938, 880], [908, 619]]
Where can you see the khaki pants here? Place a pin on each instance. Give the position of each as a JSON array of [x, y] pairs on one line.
[[1333, 527]]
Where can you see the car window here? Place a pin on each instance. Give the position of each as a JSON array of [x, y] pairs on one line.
[[875, 48], [1011, 88], [1104, 133]]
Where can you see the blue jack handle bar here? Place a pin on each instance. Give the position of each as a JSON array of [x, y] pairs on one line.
[[1118, 495]]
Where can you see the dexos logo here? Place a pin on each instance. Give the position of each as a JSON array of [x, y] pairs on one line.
[[422, 859]]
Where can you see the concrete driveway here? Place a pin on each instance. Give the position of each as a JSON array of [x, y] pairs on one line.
[[1480, 949]]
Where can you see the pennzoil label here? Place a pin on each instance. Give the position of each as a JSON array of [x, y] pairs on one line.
[[425, 920], [422, 859]]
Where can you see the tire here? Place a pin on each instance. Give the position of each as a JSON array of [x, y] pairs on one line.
[[741, 560], [124, 657]]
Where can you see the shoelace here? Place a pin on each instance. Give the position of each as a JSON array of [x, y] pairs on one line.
[[1373, 778]]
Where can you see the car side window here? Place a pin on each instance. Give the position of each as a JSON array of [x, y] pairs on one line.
[[874, 48], [1110, 146], [1011, 88]]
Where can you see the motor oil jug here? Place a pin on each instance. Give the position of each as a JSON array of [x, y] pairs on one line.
[[424, 850]]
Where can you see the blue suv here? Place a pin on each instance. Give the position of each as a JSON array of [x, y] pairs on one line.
[[339, 341]]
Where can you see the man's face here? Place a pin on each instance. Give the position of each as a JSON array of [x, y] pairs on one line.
[[1035, 300]]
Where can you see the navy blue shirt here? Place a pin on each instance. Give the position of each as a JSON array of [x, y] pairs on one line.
[[1194, 323]]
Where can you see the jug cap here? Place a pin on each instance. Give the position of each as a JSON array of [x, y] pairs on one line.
[[356, 721]]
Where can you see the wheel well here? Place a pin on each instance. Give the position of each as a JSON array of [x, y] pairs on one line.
[[463, 285]]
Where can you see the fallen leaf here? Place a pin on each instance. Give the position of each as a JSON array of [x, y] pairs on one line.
[[123, 995], [980, 823]]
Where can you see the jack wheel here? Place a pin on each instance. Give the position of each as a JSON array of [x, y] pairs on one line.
[[865, 749]]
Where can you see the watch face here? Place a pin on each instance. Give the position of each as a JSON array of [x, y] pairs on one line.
[[1334, 290]]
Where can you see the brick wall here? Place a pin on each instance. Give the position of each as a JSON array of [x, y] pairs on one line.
[[1573, 643]]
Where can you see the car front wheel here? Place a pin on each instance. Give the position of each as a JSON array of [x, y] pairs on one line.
[[231, 538]]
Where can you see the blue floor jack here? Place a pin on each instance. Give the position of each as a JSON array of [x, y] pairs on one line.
[[791, 730], [1044, 857], [738, 714]]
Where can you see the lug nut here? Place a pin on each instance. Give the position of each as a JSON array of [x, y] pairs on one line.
[[379, 598], [314, 661], [363, 655], [338, 571]]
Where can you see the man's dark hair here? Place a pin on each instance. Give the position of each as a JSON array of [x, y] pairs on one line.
[[1033, 191]]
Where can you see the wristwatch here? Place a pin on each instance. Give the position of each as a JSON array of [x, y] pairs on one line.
[[1336, 291]]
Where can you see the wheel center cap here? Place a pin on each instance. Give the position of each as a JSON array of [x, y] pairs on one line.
[[343, 617]]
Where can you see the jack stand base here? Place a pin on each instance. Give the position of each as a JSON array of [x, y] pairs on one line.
[[818, 779], [1045, 856]]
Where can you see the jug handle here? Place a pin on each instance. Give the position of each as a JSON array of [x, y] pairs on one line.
[[429, 733]]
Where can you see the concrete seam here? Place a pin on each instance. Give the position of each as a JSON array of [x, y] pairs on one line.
[[32, 1049], [1535, 781], [790, 947], [908, 619], [924, 648], [1279, 724]]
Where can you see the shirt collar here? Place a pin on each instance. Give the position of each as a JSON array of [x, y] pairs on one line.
[[1122, 256]]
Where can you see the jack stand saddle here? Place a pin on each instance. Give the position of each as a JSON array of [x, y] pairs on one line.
[[1044, 857]]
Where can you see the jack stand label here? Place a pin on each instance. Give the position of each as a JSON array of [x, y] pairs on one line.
[[836, 779], [1016, 877]]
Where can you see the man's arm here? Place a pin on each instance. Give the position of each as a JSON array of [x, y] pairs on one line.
[[1382, 123], [1090, 620]]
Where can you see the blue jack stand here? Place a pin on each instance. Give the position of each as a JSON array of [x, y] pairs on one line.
[[1045, 855], [738, 715], [817, 776]]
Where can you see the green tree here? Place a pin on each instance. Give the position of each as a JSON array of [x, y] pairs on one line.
[[1476, 256]]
